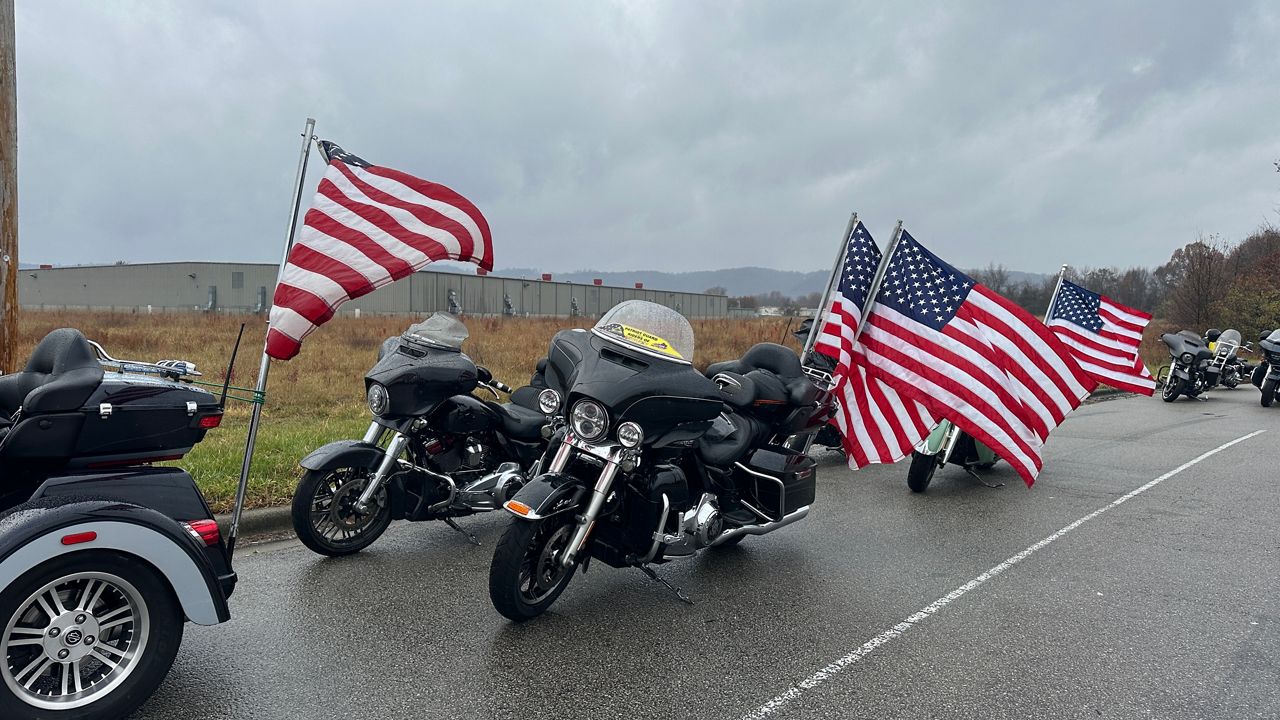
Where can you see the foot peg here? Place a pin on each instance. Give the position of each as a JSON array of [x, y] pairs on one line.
[[469, 536], [657, 578]]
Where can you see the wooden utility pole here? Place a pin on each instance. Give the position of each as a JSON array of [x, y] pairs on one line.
[[8, 192]]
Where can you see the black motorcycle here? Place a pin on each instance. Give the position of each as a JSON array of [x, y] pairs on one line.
[[1226, 367], [434, 451], [1266, 376], [102, 555], [656, 460], [1188, 371]]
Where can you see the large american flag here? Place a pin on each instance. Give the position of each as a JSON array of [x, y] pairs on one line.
[[1103, 335], [368, 226], [971, 356], [877, 425]]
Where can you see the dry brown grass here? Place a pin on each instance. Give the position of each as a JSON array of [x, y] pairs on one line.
[[319, 395]]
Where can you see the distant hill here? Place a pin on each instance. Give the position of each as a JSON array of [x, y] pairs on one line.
[[736, 281], [28, 266]]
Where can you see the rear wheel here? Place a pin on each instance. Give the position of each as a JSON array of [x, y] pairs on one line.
[[526, 575], [1259, 374], [325, 515], [921, 471], [1269, 392], [1172, 388], [86, 636]]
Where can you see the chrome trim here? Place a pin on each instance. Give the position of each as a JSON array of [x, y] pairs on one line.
[[374, 434], [950, 442], [104, 410], [588, 519], [483, 494], [394, 448], [782, 487], [191, 408], [764, 529], [658, 535]]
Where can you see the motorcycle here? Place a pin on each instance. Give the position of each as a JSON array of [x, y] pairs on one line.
[[1188, 371], [948, 444], [820, 367], [102, 556], [1266, 376], [655, 460], [1226, 367], [433, 450]]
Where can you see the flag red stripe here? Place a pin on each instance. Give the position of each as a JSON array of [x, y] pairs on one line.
[[380, 219], [443, 194], [428, 216], [396, 267]]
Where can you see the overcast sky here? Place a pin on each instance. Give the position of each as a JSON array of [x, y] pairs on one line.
[[672, 136]]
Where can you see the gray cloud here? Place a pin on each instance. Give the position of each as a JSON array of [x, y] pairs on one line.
[[678, 135]]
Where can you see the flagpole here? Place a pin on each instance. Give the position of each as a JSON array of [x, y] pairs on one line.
[[1054, 297], [877, 281], [831, 284], [259, 396]]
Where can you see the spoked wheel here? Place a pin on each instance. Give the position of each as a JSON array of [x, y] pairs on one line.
[[921, 471], [1172, 388], [527, 574], [87, 636], [325, 515]]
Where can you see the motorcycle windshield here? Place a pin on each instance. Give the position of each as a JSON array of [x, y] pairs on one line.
[[650, 328], [441, 331], [1228, 340], [1274, 337]]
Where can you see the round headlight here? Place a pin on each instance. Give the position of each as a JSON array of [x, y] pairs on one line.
[[1187, 357], [548, 401], [630, 434], [379, 400], [589, 420]]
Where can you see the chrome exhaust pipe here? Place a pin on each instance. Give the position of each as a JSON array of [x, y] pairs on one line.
[[763, 529]]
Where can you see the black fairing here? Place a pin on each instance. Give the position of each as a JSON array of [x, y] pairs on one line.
[[1186, 342], [466, 414], [418, 378], [671, 401]]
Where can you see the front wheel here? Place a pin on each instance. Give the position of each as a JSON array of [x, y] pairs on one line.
[[325, 515], [1172, 388], [1269, 392], [86, 636], [526, 574], [921, 471]]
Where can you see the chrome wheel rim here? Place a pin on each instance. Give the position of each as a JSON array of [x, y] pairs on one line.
[[542, 569], [74, 640], [333, 507]]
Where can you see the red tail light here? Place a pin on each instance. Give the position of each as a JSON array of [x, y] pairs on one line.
[[206, 531], [77, 538], [210, 421]]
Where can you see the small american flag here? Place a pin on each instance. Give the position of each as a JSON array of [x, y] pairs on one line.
[[876, 424], [1103, 335], [368, 226], [971, 356]]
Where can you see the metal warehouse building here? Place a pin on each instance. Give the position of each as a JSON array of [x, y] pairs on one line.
[[247, 287]]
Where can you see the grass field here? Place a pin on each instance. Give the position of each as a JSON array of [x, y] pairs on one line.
[[319, 395]]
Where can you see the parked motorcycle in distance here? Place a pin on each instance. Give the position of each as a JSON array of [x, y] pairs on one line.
[[657, 460], [1225, 367], [948, 444], [102, 556], [1188, 369], [433, 451], [1266, 376]]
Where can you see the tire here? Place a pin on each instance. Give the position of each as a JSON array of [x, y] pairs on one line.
[[1259, 374], [143, 647], [324, 514], [528, 546], [1269, 392], [1172, 388], [921, 471]]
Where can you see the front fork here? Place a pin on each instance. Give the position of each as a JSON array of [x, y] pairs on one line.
[[612, 458], [398, 442]]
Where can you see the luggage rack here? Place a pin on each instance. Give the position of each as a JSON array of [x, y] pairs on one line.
[[183, 370]]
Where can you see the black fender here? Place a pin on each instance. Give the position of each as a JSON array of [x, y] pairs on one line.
[[344, 454], [34, 532], [546, 495]]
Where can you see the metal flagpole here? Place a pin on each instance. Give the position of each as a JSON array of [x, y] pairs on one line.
[[832, 282], [877, 281], [259, 393], [1054, 297]]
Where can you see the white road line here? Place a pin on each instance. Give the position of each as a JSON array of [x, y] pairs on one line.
[[830, 671]]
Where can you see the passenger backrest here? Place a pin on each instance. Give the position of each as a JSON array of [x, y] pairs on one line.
[[61, 374]]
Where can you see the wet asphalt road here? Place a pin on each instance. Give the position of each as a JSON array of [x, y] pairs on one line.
[[1164, 606]]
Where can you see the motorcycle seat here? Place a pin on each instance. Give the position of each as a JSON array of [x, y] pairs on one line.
[[520, 422], [730, 438], [776, 372], [61, 374]]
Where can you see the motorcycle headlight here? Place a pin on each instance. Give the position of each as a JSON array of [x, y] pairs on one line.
[[630, 434], [1187, 357], [590, 421], [379, 400], [548, 401]]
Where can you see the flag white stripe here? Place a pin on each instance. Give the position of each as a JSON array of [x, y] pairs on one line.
[[408, 194], [290, 323], [1087, 336], [403, 218], [344, 253]]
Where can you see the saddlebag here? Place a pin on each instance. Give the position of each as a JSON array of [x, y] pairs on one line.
[[779, 480]]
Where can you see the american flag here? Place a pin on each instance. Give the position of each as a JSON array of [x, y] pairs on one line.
[[876, 424], [971, 356], [1103, 335], [368, 226]]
